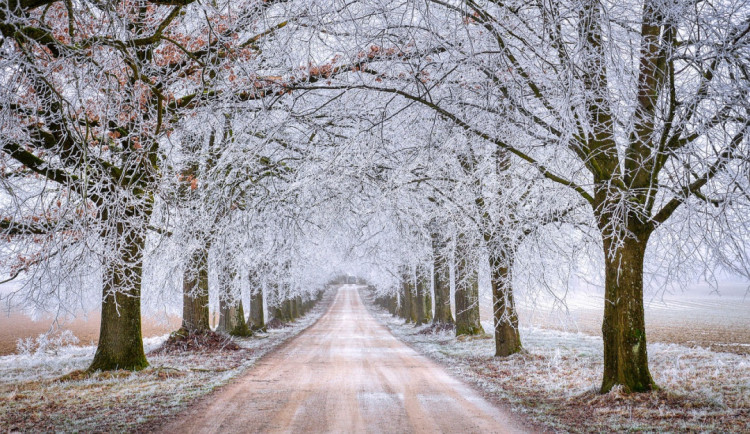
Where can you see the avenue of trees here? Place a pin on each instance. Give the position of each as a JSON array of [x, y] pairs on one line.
[[185, 151]]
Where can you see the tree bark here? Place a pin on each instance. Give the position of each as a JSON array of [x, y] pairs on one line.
[[288, 310], [424, 301], [296, 307], [413, 302], [406, 294], [507, 337], [257, 318], [280, 311], [441, 277], [240, 328], [623, 328], [227, 303], [393, 305], [467, 292], [120, 340], [427, 295], [195, 315], [227, 316], [278, 304], [232, 318]]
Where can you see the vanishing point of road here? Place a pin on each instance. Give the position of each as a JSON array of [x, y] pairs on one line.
[[346, 373]]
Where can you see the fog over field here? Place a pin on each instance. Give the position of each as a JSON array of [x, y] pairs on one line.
[[702, 315]]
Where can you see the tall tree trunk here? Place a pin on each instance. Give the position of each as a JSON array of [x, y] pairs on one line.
[[623, 328], [442, 281], [424, 302], [257, 318], [413, 301], [467, 292], [279, 304], [393, 304], [195, 315], [240, 328], [231, 313], [227, 316], [402, 307], [120, 340], [427, 295], [406, 293], [227, 304], [296, 307], [507, 337], [306, 305], [288, 310]]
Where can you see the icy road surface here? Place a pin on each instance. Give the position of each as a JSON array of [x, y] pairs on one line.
[[346, 373]]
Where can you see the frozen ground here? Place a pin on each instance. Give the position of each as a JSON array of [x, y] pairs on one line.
[[556, 378], [38, 394]]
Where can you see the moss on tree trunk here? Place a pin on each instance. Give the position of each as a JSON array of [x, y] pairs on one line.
[[286, 308], [227, 303], [278, 313], [240, 327], [406, 293], [257, 316], [232, 319], [393, 304], [296, 307], [413, 307], [623, 328], [428, 298]]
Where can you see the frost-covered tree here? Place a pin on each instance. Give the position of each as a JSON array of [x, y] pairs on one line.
[[638, 108], [90, 97]]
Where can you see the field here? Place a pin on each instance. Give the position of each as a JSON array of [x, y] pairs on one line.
[[695, 317], [17, 325]]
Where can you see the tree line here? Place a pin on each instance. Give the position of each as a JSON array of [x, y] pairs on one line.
[[271, 143]]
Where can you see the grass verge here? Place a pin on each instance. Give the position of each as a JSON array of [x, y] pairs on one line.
[[554, 381]]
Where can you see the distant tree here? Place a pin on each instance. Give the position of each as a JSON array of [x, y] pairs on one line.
[[642, 121], [92, 95], [441, 278]]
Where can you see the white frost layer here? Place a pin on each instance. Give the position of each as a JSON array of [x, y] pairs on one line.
[[568, 364]]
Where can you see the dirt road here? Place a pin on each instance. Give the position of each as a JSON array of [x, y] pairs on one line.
[[344, 374]]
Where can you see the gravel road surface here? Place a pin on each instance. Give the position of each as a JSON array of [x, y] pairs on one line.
[[346, 373]]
